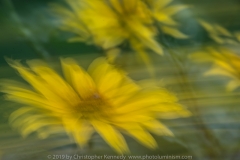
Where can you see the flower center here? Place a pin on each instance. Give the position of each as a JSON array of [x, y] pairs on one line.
[[93, 106]]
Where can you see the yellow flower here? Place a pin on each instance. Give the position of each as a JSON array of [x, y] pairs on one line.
[[220, 34], [109, 23], [102, 99], [226, 63]]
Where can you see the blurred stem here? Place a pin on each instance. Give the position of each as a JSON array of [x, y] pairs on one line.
[[198, 120], [40, 51]]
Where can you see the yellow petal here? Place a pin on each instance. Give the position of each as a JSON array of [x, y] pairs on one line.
[[232, 85], [46, 82], [44, 132], [120, 95], [222, 31], [157, 128], [107, 77], [218, 71], [217, 38], [78, 78], [75, 5], [111, 136], [144, 100], [19, 112], [70, 21], [116, 5], [97, 66], [25, 96], [80, 129], [173, 32], [158, 5], [210, 28], [25, 120], [170, 111], [137, 132], [34, 123], [201, 56], [165, 19], [153, 45], [130, 6], [53, 80], [144, 56], [230, 41], [112, 41], [144, 36], [112, 54], [237, 35], [171, 10], [225, 65]]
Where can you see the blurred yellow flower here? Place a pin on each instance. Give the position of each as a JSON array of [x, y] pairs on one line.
[[220, 34], [102, 99], [162, 12], [109, 23], [226, 63]]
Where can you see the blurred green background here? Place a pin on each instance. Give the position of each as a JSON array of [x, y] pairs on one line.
[[27, 29]]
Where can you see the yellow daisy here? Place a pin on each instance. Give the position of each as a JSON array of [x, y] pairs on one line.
[[226, 63], [102, 99], [109, 23]]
